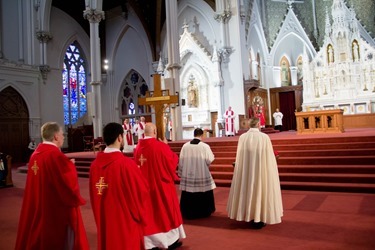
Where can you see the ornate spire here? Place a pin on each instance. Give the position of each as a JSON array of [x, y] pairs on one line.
[[328, 24], [290, 4]]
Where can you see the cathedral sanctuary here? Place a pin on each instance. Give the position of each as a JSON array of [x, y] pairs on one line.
[[87, 63]]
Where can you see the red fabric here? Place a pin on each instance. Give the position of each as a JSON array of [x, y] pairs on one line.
[[127, 129], [120, 211], [141, 125], [260, 115], [159, 168], [229, 120], [51, 203]]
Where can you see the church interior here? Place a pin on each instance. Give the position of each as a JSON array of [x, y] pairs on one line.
[[181, 64], [255, 56]]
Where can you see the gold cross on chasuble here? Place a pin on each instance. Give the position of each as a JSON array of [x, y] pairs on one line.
[[142, 159], [35, 168], [101, 185], [158, 98]]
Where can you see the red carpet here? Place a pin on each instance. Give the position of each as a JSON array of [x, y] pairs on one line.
[[312, 220]]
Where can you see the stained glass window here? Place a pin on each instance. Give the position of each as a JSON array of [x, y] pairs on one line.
[[74, 85]]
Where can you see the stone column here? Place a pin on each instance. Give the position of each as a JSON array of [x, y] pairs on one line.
[[276, 76], [174, 63], [43, 37], [254, 69], [218, 82], [293, 72], [94, 16]]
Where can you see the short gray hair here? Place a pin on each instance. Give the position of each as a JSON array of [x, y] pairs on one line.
[[49, 129], [254, 122]]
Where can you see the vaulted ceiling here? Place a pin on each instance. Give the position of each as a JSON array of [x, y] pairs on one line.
[[150, 12]]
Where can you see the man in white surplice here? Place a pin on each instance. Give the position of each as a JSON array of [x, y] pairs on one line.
[[196, 182], [255, 194]]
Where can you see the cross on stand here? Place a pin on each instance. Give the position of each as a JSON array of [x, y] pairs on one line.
[[157, 99]]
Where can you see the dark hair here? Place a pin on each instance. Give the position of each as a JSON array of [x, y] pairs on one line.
[[111, 131], [198, 132]]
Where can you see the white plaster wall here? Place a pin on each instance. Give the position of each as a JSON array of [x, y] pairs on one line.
[[10, 39], [127, 48]]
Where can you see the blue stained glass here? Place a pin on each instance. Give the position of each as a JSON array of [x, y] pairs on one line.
[[131, 108], [74, 85]]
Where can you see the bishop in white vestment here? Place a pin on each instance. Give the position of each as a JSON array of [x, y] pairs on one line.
[[255, 194]]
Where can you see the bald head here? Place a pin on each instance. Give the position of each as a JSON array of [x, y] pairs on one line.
[[150, 130]]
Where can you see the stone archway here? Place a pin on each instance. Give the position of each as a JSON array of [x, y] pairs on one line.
[[14, 125]]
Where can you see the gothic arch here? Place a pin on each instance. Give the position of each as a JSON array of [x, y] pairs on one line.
[[132, 87], [14, 124]]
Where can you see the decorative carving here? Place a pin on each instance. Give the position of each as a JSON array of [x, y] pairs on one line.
[[224, 53], [44, 69], [43, 36], [94, 16], [223, 17]]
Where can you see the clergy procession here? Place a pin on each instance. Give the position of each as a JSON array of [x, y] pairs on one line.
[[189, 124], [134, 201]]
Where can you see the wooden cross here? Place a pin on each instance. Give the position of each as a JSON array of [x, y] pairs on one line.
[[142, 159], [157, 99], [101, 185], [35, 168]]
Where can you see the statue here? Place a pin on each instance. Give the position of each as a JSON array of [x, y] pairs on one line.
[[192, 94], [330, 54]]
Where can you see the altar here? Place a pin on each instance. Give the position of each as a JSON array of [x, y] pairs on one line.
[[323, 121]]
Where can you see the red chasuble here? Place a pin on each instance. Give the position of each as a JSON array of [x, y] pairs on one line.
[[158, 164], [51, 203], [119, 196]]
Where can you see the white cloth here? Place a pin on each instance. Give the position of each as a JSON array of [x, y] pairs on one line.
[[163, 240], [32, 146], [128, 131], [193, 167], [2, 165], [229, 122], [255, 192], [278, 116], [140, 129]]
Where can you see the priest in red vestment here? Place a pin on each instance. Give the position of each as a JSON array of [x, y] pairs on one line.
[[128, 134], [158, 164], [139, 128], [128, 130], [119, 195], [50, 214]]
